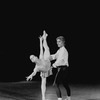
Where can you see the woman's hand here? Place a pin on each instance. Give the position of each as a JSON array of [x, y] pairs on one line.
[[29, 78]]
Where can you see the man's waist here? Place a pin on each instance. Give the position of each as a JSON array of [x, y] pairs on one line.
[[62, 66]]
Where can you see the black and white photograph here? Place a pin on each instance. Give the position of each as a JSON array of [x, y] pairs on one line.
[[48, 53]]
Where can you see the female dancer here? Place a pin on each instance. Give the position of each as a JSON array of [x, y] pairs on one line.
[[43, 64]]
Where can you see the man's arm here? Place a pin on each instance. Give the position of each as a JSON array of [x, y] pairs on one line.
[[60, 61], [53, 57]]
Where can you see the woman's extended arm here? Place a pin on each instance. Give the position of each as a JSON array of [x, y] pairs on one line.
[[33, 73], [30, 76]]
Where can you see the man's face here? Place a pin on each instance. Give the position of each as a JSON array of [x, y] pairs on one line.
[[59, 43]]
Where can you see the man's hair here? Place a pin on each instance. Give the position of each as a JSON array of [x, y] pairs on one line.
[[61, 38]]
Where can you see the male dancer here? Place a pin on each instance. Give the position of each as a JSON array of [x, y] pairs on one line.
[[61, 64]]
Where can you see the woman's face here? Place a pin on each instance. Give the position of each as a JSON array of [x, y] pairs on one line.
[[33, 58], [59, 43]]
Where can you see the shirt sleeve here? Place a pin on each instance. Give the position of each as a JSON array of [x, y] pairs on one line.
[[60, 61], [53, 56]]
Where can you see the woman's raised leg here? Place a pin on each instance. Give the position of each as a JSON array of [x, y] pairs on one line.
[[46, 47], [41, 48]]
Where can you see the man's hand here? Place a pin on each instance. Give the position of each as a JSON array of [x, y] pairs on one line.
[[50, 58], [53, 65]]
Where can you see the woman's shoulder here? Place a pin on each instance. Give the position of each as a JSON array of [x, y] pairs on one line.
[[39, 62]]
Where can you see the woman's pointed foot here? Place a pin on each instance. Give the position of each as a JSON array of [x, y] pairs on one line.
[[44, 34]]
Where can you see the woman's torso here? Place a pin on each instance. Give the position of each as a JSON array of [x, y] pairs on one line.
[[43, 65]]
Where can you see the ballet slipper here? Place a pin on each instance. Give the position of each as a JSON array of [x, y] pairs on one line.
[[44, 35], [59, 98], [68, 98]]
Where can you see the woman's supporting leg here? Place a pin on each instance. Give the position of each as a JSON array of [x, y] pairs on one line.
[[46, 47], [41, 49], [43, 87]]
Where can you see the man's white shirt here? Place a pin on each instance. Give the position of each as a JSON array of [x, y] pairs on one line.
[[61, 57]]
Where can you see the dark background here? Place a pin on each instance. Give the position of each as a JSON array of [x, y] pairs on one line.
[[21, 26]]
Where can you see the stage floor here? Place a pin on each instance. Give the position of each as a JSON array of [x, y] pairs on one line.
[[32, 91]]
